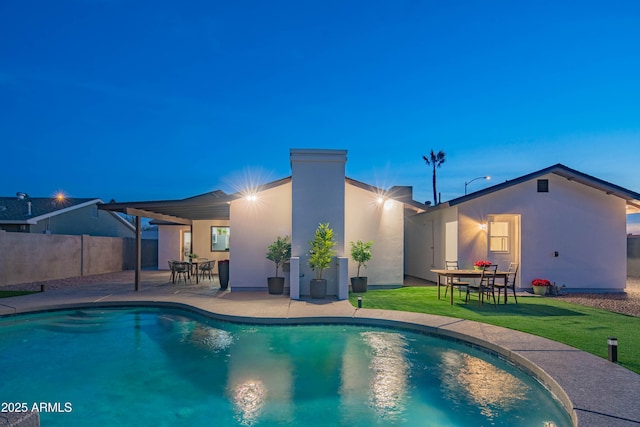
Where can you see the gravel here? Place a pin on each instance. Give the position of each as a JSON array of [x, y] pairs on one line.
[[625, 303]]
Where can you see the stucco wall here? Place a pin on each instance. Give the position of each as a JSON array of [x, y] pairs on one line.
[[38, 257], [170, 244], [255, 224], [366, 219], [585, 226], [425, 242], [201, 239], [318, 196]]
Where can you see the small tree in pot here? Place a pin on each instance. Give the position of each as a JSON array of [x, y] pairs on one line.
[[361, 253], [279, 252], [320, 254]]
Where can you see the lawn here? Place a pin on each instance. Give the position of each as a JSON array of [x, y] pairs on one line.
[[7, 294], [581, 327]]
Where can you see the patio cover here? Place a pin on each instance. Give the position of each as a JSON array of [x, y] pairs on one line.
[[214, 205]]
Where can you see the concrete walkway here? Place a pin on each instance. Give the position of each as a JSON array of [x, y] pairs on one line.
[[594, 391]]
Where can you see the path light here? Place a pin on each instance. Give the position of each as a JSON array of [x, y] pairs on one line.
[[466, 184], [613, 349], [359, 302]]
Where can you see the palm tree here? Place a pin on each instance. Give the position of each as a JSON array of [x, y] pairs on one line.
[[435, 160]]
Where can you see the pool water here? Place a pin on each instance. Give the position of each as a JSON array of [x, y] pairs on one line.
[[159, 367]]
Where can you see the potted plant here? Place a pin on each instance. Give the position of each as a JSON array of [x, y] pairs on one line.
[[360, 253], [320, 254], [481, 264], [279, 252], [540, 286]]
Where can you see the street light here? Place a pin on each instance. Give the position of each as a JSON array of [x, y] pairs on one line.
[[466, 184]]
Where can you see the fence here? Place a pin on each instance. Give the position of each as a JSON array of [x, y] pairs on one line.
[[26, 257], [633, 256]]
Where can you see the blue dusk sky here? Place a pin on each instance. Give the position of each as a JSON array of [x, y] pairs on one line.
[[150, 100]]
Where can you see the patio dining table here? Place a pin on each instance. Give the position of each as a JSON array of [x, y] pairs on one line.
[[466, 273], [195, 263]]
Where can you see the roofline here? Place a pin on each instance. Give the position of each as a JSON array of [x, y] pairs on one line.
[[632, 198], [34, 220], [409, 204]]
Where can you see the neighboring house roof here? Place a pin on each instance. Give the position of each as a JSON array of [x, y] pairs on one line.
[[632, 198], [31, 210], [215, 204]]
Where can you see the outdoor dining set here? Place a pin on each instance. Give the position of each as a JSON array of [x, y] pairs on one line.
[[187, 270], [483, 281]]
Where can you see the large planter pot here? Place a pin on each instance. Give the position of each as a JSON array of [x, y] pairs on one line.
[[359, 284], [318, 288], [540, 290], [276, 285], [223, 273]]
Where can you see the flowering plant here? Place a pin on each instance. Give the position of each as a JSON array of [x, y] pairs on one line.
[[540, 282], [482, 263]]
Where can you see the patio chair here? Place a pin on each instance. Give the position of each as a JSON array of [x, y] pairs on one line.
[[486, 285], [182, 269], [453, 281], [510, 283], [173, 271], [207, 268]]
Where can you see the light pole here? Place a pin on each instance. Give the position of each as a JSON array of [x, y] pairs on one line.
[[466, 184]]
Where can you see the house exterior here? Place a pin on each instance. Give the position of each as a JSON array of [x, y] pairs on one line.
[[240, 226], [556, 223], [55, 215]]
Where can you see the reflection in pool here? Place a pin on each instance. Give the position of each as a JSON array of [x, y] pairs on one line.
[[151, 367]]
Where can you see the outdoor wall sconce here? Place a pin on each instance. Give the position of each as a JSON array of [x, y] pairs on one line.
[[251, 197], [483, 226]]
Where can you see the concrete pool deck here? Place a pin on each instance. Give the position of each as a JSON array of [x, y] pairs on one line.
[[595, 391]]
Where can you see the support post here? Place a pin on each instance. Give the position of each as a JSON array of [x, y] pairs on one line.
[[138, 253]]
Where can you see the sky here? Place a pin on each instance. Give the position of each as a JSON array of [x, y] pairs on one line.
[[154, 100]]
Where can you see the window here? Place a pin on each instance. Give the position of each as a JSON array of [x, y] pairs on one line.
[[543, 186], [220, 238], [499, 236]]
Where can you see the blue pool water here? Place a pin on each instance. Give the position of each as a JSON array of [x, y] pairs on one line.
[[151, 367]]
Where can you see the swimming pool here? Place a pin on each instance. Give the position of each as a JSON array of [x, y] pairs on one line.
[[156, 367]]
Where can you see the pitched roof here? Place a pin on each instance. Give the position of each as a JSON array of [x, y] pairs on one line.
[[215, 204], [30, 210], [632, 198]]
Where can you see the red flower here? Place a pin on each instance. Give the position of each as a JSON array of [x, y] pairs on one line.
[[540, 282], [482, 263]]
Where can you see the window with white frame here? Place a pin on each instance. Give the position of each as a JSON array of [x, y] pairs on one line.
[[499, 236]]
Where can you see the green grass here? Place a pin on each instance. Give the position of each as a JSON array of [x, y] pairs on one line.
[[7, 294], [581, 327]]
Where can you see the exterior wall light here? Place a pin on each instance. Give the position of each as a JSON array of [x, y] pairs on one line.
[[251, 197], [483, 226]]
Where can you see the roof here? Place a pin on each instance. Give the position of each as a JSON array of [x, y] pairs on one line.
[[207, 206], [632, 198], [31, 210], [215, 204]]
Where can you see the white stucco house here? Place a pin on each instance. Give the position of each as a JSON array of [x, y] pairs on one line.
[[556, 223]]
